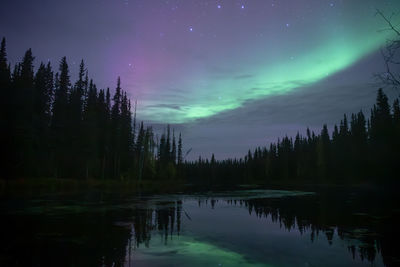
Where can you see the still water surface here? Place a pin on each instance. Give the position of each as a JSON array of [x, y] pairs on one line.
[[237, 228]]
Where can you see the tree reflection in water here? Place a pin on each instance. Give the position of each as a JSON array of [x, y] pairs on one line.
[[53, 233]]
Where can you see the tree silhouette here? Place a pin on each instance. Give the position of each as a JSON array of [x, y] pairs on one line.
[[55, 129], [390, 53]]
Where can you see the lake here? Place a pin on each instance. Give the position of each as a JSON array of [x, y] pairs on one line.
[[332, 227]]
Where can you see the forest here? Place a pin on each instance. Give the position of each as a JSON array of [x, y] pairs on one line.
[[359, 150], [54, 128]]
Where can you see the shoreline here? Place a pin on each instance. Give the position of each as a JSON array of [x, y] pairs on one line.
[[39, 186]]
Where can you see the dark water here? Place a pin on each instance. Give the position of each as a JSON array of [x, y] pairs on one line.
[[238, 228]]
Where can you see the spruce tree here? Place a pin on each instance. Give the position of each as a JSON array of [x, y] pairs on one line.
[[4, 69], [7, 105], [60, 105], [173, 151], [90, 130], [42, 100], [126, 134], [396, 117], [24, 86], [116, 130], [59, 121], [323, 151], [180, 159]]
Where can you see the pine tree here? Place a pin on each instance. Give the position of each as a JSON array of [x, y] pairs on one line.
[[161, 149], [126, 133], [180, 159], [396, 136], [76, 101], [24, 86], [116, 130], [4, 69], [91, 131], [168, 153], [7, 105], [75, 115], [134, 124], [323, 150], [396, 117], [381, 120], [173, 151], [42, 100], [59, 121], [62, 90]]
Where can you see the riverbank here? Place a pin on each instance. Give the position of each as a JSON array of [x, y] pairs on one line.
[[38, 186]]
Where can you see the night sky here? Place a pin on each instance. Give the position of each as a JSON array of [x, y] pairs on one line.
[[231, 75]]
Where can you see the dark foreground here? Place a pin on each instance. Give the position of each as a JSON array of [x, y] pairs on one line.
[[330, 227]]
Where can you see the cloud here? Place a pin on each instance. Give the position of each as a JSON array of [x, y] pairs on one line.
[[257, 123], [243, 76]]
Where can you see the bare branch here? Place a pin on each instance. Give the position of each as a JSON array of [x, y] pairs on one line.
[[390, 54], [388, 21]]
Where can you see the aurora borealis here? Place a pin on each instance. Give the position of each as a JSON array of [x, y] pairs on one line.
[[188, 62], [242, 54]]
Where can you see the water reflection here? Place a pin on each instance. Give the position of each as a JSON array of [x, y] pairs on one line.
[[228, 229]]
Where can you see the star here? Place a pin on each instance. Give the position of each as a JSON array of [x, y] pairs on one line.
[[219, 6], [242, 6], [191, 29]]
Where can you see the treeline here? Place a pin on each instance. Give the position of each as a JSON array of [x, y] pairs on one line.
[[53, 128], [357, 151]]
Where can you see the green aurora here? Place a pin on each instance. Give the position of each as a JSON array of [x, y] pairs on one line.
[[228, 74]]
